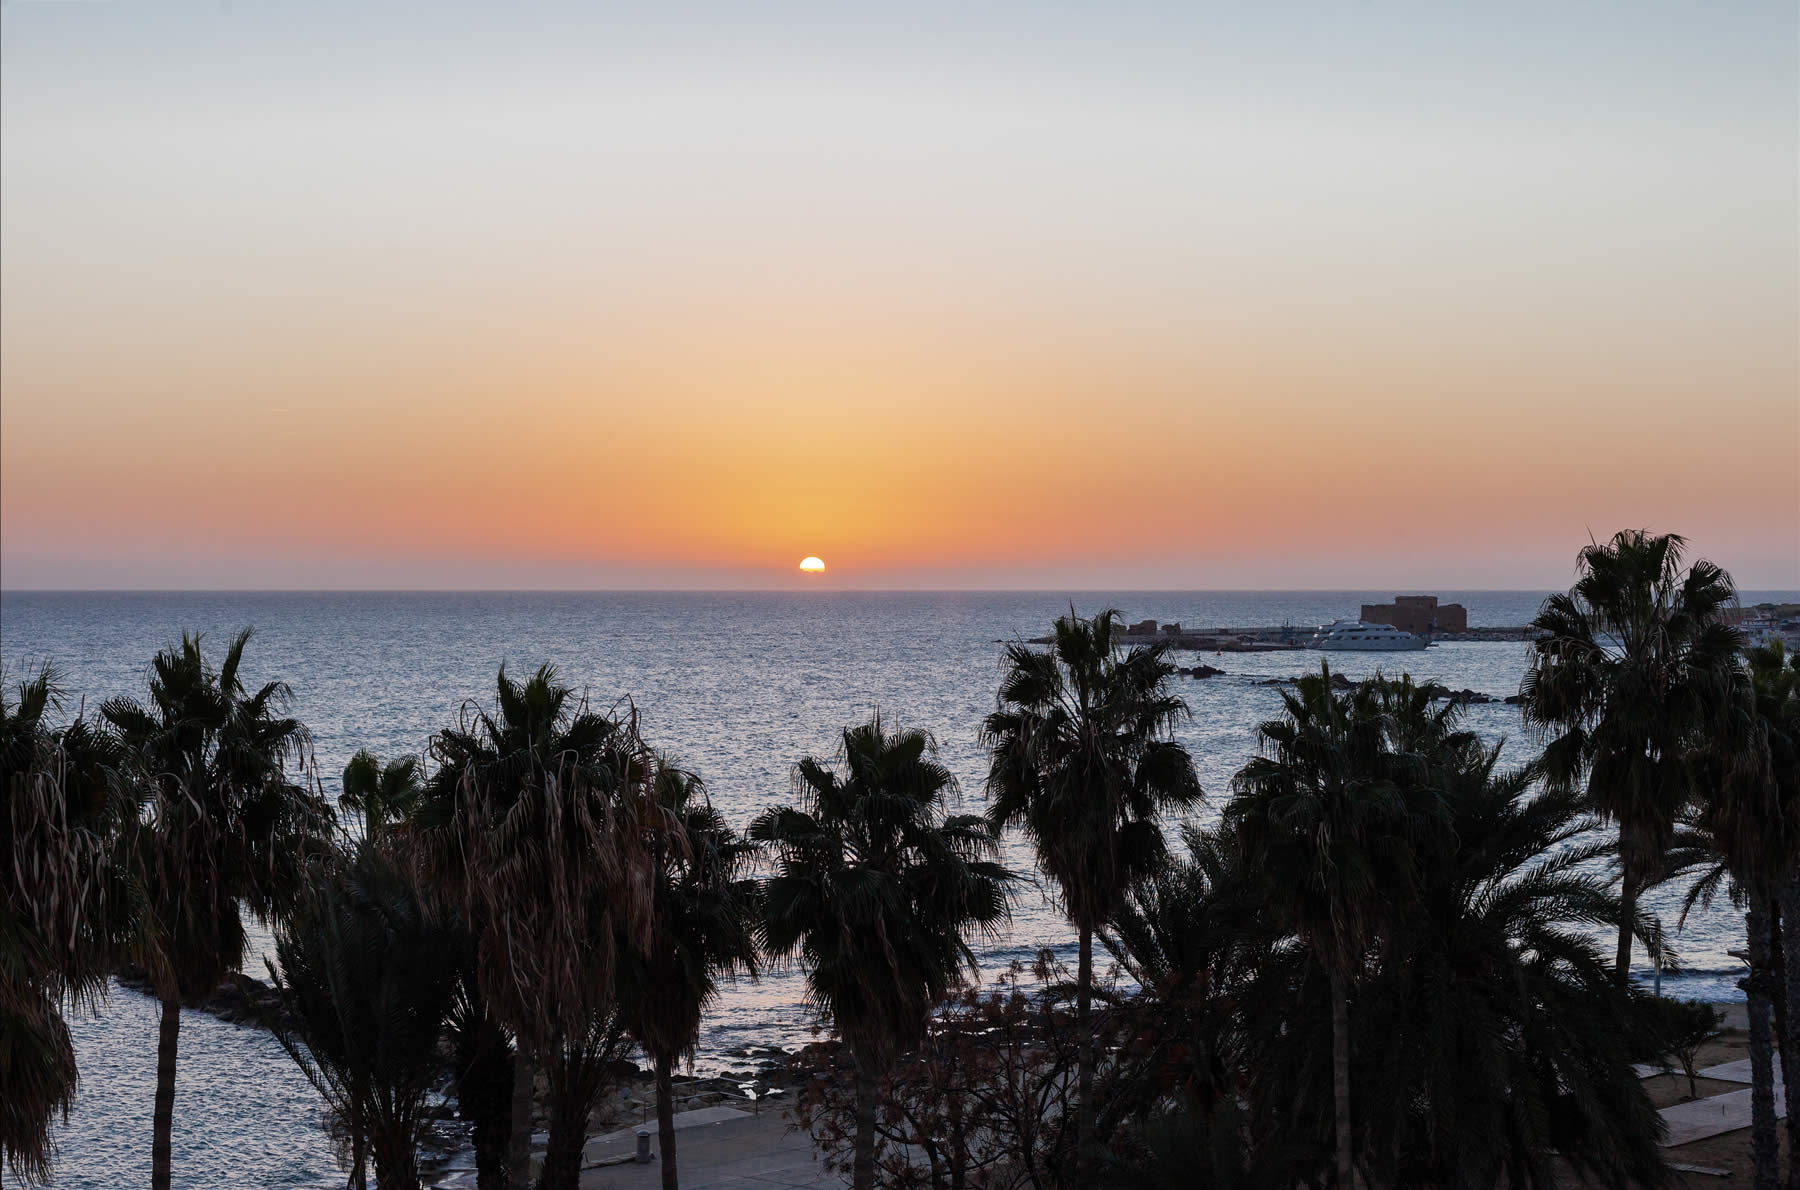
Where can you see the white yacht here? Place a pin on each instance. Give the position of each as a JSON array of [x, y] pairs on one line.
[[1354, 636]]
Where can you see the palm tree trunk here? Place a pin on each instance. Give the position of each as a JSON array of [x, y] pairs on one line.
[[1628, 899], [1084, 1060], [484, 1071], [1765, 1153], [863, 1170], [396, 1160], [1790, 1038], [665, 1121], [168, 1036], [1340, 1079], [518, 1150], [574, 1085]]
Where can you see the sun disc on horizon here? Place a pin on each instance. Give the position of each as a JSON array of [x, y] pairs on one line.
[[812, 565]]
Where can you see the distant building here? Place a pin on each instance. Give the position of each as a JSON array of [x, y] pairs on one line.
[[1418, 613]]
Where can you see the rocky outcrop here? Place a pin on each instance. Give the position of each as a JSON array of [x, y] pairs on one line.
[[238, 1000], [1440, 693]]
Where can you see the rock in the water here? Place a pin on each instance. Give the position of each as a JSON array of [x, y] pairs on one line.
[[1442, 693]]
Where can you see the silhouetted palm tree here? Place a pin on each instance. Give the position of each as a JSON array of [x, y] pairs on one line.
[[703, 930], [1323, 817], [382, 794], [875, 891], [1196, 938], [1775, 690], [1418, 720], [65, 909], [520, 830], [481, 1065], [363, 978], [577, 1073], [1492, 1007], [1485, 1002], [1635, 674], [224, 829], [1082, 757], [1749, 812]]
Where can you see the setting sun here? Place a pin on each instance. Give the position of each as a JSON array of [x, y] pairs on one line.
[[812, 565]]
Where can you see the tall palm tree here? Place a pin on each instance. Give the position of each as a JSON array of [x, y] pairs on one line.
[[1775, 691], [64, 907], [875, 890], [1635, 673], [224, 829], [1324, 816], [382, 794], [704, 931], [363, 978], [1749, 814], [1082, 757], [1493, 1008], [1489, 1005], [520, 830]]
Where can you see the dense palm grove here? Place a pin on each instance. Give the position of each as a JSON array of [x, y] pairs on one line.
[[1381, 965]]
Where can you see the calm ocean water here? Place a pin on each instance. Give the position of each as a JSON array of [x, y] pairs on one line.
[[738, 685]]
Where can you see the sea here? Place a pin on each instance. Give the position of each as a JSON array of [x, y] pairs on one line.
[[738, 686]]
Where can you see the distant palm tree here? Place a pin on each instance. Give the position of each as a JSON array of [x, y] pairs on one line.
[[703, 931], [363, 978], [382, 794], [1635, 674], [224, 829], [876, 891], [519, 829], [1082, 757], [1323, 816], [65, 909]]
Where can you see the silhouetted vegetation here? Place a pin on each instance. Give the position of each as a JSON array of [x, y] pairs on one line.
[[1382, 963]]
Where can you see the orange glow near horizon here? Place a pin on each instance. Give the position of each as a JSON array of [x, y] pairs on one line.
[[924, 464], [1217, 307]]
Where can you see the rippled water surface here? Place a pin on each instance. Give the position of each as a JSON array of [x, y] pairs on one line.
[[737, 685]]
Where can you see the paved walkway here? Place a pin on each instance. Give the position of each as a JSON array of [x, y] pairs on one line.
[[718, 1149], [1738, 1072], [1698, 1119]]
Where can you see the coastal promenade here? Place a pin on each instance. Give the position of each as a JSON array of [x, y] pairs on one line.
[[721, 1148]]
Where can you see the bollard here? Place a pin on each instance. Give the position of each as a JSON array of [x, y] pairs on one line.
[[643, 1153]]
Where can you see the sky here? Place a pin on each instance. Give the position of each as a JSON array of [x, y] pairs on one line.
[[1347, 295]]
